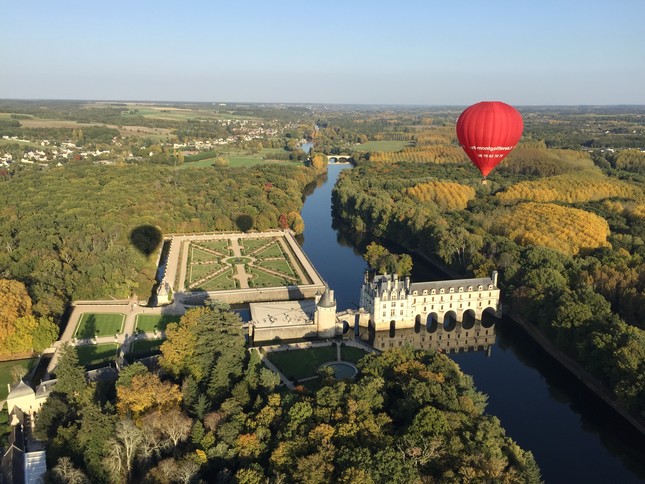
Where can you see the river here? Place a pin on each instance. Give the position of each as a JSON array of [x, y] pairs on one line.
[[573, 435]]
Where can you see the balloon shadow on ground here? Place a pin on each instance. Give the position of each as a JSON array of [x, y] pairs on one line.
[[146, 239], [244, 223]]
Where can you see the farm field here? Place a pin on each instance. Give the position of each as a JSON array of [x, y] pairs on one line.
[[383, 146], [238, 159], [101, 324]]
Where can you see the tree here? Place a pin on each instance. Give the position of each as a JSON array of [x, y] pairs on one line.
[[70, 374], [45, 333], [65, 472], [207, 343], [16, 304], [123, 449], [146, 392], [295, 222]]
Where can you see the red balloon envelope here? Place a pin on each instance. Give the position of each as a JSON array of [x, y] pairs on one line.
[[487, 132]]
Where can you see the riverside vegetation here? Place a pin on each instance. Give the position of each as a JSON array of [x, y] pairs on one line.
[[569, 247], [66, 233]]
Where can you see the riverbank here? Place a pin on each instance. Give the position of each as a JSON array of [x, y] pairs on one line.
[[569, 363]]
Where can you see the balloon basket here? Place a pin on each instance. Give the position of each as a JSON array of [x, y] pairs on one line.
[[484, 181]]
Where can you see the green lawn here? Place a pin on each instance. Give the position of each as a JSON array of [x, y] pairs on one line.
[[278, 265], [300, 364], [101, 324], [6, 370], [351, 354], [262, 279], [221, 282], [249, 245], [146, 347], [197, 271], [198, 255], [216, 245], [273, 250], [383, 146], [95, 355], [148, 322]]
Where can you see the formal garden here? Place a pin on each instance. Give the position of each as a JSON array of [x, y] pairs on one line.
[[225, 264]]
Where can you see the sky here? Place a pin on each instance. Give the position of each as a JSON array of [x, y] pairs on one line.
[[430, 52]]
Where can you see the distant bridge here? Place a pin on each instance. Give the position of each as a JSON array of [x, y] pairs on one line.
[[337, 158]]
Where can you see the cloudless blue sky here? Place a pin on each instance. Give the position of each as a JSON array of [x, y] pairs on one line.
[[375, 52]]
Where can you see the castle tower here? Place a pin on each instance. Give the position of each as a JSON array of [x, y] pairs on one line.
[[325, 317]]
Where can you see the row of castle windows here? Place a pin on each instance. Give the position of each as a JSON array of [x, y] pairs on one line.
[[425, 308], [441, 291], [393, 304]]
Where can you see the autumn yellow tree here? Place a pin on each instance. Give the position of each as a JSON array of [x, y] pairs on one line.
[[146, 392], [570, 188], [567, 230], [446, 195]]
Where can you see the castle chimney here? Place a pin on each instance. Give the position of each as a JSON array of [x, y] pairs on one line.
[[494, 278]]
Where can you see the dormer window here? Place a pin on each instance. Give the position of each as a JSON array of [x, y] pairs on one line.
[[490, 286], [434, 292], [442, 290], [479, 288], [425, 291], [461, 289], [470, 288], [452, 289], [414, 293]]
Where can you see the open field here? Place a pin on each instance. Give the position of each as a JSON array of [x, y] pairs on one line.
[[150, 322], [239, 158], [95, 355], [22, 143], [298, 364], [55, 123], [6, 369], [101, 324], [383, 146], [171, 113]]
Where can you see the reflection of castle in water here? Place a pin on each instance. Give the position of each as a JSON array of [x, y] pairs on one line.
[[478, 337]]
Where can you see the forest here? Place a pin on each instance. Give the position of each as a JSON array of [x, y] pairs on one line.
[[66, 233], [411, 416], [569, 248]]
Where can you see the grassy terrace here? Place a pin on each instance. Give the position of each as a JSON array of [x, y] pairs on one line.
[[96, 355], [149, 322], [6, 368], [99, 324], [145, 347], [298, 364]]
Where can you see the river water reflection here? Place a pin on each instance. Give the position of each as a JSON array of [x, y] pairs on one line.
[[574, 436]]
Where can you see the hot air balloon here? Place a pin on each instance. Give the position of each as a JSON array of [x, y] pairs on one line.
[[488, 131]]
